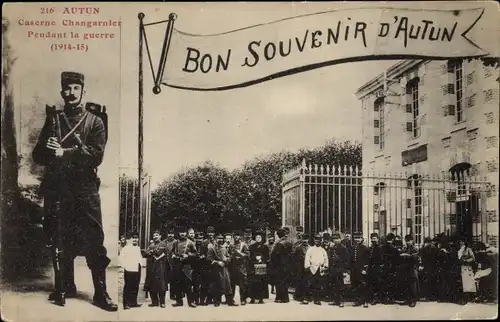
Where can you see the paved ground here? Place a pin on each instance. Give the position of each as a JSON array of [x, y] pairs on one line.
[[27, 301], [294, 311]]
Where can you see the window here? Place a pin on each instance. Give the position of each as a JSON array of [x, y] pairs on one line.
[[413, 107], [379, 122], [457, 68], [381, 118]]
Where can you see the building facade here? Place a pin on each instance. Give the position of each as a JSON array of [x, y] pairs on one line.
[[430, 149]]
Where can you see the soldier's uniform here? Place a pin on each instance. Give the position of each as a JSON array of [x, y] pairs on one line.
[[410, 260], [198, 268], [375, 267], [390, 259], [360, 259], [238, 268], [218, 256], [339, 259], [327, 287], [207, 275], [158, 280], [271, 273], [184, 254], [70, 187], [280, 261], [170, 242], [299, 257]]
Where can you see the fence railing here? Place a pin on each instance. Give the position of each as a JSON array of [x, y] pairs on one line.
[[135, 213], [345, 199]]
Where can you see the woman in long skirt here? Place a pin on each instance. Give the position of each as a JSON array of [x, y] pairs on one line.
[[467, 260], [257, 277]]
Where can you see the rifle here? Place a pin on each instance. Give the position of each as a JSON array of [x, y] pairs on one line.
[[56, 238]]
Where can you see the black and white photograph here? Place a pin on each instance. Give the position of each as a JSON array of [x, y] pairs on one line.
[[246, 161]]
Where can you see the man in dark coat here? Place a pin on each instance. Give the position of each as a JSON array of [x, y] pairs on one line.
[[296, 268], [158, 280], [71, 147], [198, 268], [281, 261], [339, 259], [218, 256], [428, 255], [238, 268], [410, 260], [258, 270], [390, 260], [326, 243], [184, 254], [360, 259], [299, 257], [375, 267], [170, 242], [206, 279]]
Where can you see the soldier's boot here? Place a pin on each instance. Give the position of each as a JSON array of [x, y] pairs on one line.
[[58, 296], [101, 297]]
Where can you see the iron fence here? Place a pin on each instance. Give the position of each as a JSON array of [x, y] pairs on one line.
[[345, 199]]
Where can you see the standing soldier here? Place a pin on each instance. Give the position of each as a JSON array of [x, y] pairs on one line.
[[339, 259], [409, 255], [238, 268], [295, 269], [299, 257], [271, 275], [170, 242], [375, 270], [281, 261], [206, 269], [360, 259], [390, 259], [184, 253], [218, 257], [158, 285], [327, 244], [428, 255], [71, 147], [198, 268], [316, 266]]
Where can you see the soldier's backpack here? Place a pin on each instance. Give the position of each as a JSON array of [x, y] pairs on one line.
[[95, 110]]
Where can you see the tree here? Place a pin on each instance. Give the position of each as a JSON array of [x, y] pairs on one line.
[[246, 197]]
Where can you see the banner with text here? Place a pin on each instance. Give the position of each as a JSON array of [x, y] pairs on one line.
[[259, 53]]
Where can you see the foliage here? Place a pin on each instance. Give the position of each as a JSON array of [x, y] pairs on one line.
[[249, 196]]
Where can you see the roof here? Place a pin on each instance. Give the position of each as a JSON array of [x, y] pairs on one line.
[[395, 71]]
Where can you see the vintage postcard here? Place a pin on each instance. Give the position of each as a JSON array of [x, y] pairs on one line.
[[194, 161]]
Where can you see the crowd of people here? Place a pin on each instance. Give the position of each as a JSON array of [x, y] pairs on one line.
[[334, 267]]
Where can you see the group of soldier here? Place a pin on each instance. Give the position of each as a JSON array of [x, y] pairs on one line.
[[333, 268]]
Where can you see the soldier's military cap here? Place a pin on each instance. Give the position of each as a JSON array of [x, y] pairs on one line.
[[389, 237], [280, 232], [237, 233], [170, 230], [157, 231], [357, 234], [72, 78], [210, 229], [198, 235], [299, 229], [373, 235], [326, 236], [286, 229], [336, 236], [219, 236], [228, 234], [409, 237]]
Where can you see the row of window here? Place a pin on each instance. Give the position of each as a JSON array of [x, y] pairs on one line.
[[413, 126]]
